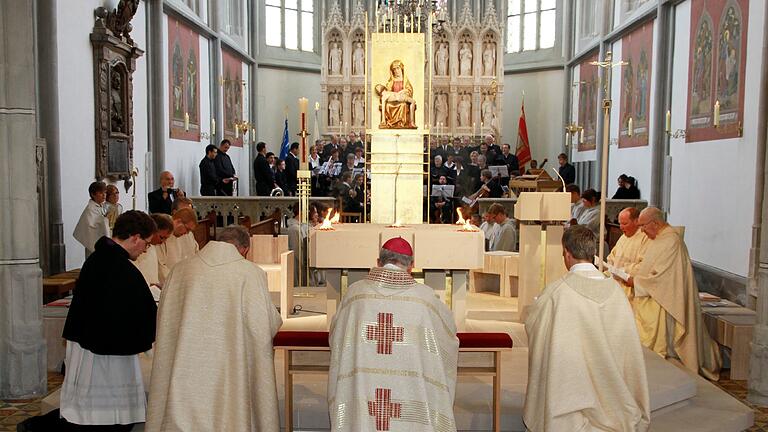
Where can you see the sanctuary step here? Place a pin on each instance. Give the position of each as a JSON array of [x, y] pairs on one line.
[[491, 306]]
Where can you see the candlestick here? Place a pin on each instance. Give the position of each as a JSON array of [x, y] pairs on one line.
[[186, 122], [668, 123], [213, 126], [716, 119]]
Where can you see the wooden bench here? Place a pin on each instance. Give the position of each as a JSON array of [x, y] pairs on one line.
[[56, 288], [297, 341], [732, 327]]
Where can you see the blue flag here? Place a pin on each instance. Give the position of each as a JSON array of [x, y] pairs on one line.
[[285, 147]]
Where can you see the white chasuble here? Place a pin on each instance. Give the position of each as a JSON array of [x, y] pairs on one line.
[[394, 354], [585, 360], [213, 367], [92, 226], [666, 275]]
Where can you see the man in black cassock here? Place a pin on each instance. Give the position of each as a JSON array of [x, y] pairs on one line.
[[265, 178], [209, 181], [224, 169]]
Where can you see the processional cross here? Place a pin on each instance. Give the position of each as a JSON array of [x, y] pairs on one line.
[[383, 409], [607, 65], [384, 333]]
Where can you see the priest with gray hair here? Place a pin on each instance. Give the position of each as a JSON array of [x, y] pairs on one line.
[[213, 364], [394, 352]]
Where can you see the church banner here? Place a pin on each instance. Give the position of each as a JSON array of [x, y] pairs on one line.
[[397, 81], [634, 112], [183, 81], [589, 89], [232, 87], [716, 69]]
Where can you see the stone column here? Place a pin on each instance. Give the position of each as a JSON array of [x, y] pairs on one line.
[[22, 348]]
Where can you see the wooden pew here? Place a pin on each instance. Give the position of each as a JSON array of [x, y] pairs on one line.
[[297, 341], [205, 230]]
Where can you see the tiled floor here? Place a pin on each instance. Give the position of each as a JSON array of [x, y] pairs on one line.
[[13, 412]]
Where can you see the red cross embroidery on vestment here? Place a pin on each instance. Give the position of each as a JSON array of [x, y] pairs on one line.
[[383, 409], [384, 333]]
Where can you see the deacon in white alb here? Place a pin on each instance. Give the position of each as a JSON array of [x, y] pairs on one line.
[[393, 352], [586, 367], [93, 223]]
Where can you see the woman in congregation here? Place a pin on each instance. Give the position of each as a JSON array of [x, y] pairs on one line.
[[627, 188], [113, 207]]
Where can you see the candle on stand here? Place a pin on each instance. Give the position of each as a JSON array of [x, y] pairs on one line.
[[668, 123], [186, 121], [213, 126], [716, 119], [303, 122]]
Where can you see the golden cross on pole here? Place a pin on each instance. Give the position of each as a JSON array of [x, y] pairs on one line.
[[607, 65]]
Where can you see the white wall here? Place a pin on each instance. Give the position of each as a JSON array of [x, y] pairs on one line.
[[277, 90], [543, 111], [713, 182], [76, 115]]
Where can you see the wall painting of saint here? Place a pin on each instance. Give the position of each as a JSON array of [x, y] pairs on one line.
[[232, 89], [637, 51], [589, 89], [716, 68], [183, 81]]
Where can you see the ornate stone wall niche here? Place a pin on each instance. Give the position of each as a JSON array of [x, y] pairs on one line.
[[114, 61]]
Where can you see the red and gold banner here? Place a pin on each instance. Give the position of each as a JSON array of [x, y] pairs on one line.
[[232, 88], [716, 68], [634, 110], [589, 89], [183, 81]]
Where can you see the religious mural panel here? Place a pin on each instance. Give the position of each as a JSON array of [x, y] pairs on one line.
[[589, 89], [183, 81], [634, 115], [716, 69], [232, 89]]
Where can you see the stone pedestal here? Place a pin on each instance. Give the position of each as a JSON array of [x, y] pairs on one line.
[[22, 348]]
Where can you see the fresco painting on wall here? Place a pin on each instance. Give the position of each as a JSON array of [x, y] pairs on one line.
[[183, 81], [716, 68], [637, 51], [233, 84], [589, 89]]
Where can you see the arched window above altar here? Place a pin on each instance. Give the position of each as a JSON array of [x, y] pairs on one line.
[[290, 24]]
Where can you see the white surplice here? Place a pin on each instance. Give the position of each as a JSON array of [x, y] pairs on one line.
[[394, 354], [92, 226]]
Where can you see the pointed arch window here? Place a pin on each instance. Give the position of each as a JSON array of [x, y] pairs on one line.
[[531, 25], [290, 24]]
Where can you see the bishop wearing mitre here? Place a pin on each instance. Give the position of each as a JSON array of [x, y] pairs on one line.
[[394, 352], [666, 299]]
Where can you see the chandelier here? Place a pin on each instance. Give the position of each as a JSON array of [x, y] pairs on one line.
[[410, 15]]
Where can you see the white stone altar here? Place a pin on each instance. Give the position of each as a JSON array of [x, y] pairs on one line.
[[442, 252], [397, 167]]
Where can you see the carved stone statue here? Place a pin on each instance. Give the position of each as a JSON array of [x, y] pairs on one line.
[[334, 59], [441, 60], [488, 112], [465, 110], [334, 111], [398, 108], [358, 110], [116, 97], [441, 110], [358, 60], [489, 59], [465, 59]]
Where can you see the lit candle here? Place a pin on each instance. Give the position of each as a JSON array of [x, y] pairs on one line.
[[567, 137], [581, 136], [253, 134], [411, 21], [237, 131], [213, 126], [418, 18], [668, 124], [630, 128], [716, 119], [186, 121]]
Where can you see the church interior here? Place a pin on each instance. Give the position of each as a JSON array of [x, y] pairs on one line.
[[481, 138]]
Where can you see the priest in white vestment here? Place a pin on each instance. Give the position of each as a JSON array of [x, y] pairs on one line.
[[626, 254], [213, 367], [394, 352], [147, 262], [93, 223], [586, 370], [181, 245], [666, 299]]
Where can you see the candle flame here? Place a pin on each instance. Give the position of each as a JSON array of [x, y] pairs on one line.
[[330, 219], [465, 225], [461, 220]]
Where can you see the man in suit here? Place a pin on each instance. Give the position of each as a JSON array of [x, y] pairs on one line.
[[566, 170], [265, 178], [292, 169], [333, 145], [444, 149], [224, 169], [161, 199]]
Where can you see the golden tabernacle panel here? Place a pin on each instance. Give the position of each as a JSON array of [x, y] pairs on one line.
[[397, 81]]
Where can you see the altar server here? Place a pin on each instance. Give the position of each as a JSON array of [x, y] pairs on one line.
[[213, 366], [111, 321], [394, 352], [666, 299], [181, 244], [586, 366], [93, 223]]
